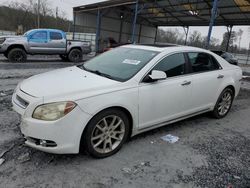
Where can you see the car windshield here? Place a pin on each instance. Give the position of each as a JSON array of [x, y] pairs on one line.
[[26, 34], [119, 64]]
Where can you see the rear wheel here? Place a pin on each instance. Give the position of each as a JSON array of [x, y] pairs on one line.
[[106, 133], [17, 55], [224, 103], [64, 57], [75, 55]]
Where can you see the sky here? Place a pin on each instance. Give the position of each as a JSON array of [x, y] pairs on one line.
[[66, 6]]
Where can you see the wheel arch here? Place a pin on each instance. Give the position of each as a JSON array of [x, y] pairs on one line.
[[232, 88], [15, 46], [75, 47]]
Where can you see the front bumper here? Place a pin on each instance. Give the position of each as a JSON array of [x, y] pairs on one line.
[[65, 133], [3, 48]]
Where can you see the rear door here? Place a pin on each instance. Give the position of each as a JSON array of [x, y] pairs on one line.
[[57, 42], [167, 99], [207, 76], [38, 42]]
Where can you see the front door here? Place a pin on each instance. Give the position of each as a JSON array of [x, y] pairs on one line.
[[165, 100], [38, 42]]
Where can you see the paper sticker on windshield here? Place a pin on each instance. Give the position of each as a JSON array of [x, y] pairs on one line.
[[131, 61]]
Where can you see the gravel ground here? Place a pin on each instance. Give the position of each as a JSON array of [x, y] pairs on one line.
[[210, 152]]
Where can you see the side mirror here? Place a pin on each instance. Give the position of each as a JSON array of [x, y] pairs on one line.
[[155, 76]]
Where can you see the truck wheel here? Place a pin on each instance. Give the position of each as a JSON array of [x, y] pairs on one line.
[[75, 55], [5, 55], [64, 57], [17, 55]]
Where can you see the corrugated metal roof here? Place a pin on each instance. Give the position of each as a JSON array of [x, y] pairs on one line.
[[180, 12]]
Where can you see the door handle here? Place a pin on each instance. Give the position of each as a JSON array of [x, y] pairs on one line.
[[220, 76], [185, 83]]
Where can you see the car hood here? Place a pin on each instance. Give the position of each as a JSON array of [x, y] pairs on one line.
[[67, 81], [13, 36]]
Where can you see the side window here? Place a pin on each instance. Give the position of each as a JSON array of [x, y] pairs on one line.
[[40, 35], [202, 62], [173, 65], [55, 36]]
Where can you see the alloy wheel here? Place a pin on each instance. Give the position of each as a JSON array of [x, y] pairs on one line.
[[107, 134], [225, 103]]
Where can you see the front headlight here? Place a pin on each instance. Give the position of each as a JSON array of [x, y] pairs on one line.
[[2, 40], [53, 111]]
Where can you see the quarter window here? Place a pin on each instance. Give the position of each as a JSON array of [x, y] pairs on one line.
[[202, 62], [39, 35], [173, 65], [55, 36]]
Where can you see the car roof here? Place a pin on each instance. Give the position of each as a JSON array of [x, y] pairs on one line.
[[166, 48], [44, 29]]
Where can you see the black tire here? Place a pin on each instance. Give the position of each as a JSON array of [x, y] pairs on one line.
[[17, 55], [87, 142], [217, 112], [64, 57], [75, 55], [5, 55]]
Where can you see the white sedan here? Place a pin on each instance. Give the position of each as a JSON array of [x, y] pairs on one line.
[[98, 105]]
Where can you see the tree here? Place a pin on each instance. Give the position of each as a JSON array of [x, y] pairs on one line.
[[239, 33], [232, 39], [195, 39]]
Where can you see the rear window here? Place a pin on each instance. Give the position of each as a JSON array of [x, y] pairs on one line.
[[202, 62], [55, 36]]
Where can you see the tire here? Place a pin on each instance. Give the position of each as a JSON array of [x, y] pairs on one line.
[[224, 103], [64, 57], [5, 55], [75, 55], [17, 55], [100, 140]]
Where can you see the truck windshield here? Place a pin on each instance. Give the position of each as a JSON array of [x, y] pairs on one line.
[[119, 64]]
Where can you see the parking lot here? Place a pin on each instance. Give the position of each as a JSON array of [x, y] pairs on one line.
[[209, 152]]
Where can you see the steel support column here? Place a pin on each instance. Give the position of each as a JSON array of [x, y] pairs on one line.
[[98, 28], [134, 22], [156, 33], [74, 24], [139, 37], [186, 30], [212, 19], [121, 28], [229, 32]]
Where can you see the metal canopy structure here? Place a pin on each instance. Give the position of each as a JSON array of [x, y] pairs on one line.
[[183, 13]]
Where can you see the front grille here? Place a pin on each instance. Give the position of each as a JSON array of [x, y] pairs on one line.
[[22, 102]]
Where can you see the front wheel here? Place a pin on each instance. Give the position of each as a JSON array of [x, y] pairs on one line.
[[17, 55], [224, 103], [106, 133], [75, 55]]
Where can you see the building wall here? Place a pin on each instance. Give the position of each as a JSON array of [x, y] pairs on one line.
[[110, 27]]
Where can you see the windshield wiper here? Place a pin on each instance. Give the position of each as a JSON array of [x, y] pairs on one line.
[[98, 72]]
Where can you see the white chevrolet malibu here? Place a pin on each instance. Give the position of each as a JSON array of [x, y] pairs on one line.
[[131, 89]]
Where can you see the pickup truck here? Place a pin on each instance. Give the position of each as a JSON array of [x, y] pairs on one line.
[[43, 41]]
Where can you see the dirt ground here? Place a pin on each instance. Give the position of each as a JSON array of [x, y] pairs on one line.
[[209, 153]]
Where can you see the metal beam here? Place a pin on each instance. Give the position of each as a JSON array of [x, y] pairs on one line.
[[156, 33], [186, 30], [74, 25], [134, 22], [229, 32], [98, 29], [212, 20]]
